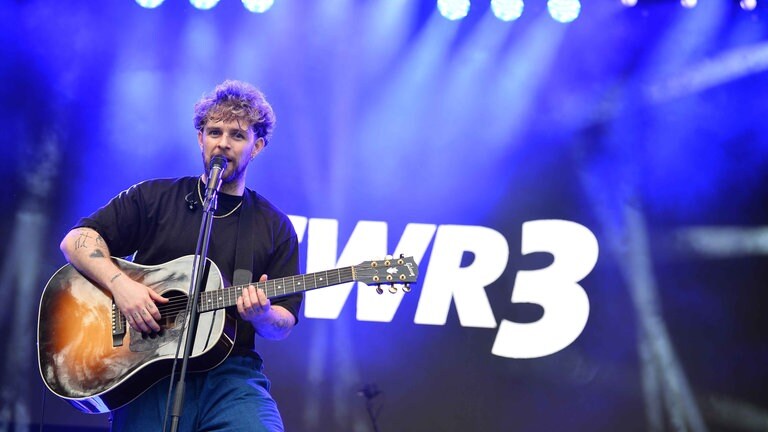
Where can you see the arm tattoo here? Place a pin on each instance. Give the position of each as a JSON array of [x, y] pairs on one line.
[[81, 240], [115, 277]]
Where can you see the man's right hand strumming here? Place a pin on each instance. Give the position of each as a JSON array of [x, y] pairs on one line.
[[137, 303], [85, 249]]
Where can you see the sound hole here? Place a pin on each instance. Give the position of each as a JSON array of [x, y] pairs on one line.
[[172, 313], [171, 323]]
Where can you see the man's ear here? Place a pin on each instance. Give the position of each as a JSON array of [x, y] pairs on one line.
[[258, 146], [200, 138]]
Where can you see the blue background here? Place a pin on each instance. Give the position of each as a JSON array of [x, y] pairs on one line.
[[642, 124]]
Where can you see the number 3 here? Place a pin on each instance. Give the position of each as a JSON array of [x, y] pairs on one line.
[[554, 288]]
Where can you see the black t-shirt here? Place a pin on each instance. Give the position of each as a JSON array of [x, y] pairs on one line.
[[152, 221]]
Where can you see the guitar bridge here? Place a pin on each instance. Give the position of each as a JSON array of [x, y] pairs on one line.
[[118, 326]]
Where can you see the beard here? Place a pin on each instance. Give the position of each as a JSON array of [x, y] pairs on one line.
[[233, 174]]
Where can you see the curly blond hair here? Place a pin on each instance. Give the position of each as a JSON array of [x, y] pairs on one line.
[[236, 100]]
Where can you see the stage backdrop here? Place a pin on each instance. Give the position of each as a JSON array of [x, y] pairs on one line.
[[586, 201]]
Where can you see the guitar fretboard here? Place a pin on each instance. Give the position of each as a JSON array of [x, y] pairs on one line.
[[218, 299]]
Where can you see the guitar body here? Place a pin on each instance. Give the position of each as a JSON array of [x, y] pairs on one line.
[[89, 357]]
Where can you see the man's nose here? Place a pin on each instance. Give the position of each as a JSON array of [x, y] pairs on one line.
[[224, 142]]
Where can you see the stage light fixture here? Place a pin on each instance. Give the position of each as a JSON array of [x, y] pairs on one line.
[[258, 6], [453, 9], [748, 5], [564, 11], [204, 4], [507, 10], [629, 3], [688, 3], [149, 4]]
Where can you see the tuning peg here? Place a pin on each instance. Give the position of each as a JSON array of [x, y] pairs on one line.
[[392, 289], [407, 288], [379, 290]]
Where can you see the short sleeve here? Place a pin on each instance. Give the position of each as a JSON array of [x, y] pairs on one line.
[[120, 222]]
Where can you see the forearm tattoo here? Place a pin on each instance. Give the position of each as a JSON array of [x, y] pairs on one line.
[[115, 277]]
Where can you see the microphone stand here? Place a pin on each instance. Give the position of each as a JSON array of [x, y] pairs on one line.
[[369, 392], [196, 285]]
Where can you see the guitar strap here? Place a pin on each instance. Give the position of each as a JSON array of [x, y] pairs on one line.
[[244, 243]]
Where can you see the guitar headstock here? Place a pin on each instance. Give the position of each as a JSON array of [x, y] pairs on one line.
[[395, 272]]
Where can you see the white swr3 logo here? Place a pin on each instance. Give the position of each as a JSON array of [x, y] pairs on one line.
[[555, 288]]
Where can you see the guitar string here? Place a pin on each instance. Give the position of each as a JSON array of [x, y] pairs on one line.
[[178, 304], [172, 307]]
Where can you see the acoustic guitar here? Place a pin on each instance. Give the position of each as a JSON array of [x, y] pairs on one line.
[[89, 357]]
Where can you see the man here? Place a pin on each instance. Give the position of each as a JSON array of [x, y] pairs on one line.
[[158, 221]]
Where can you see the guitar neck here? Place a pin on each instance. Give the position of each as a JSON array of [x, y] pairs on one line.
[[218, 299]]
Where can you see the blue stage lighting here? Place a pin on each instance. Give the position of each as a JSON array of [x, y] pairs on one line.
[[258, 6], [204, 4], [564, 10], [150, 4], [507, 10], [453, 9]]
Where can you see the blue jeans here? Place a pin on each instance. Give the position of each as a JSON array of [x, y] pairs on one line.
[[234, 396]]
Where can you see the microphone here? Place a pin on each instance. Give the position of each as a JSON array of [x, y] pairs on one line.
[[217, 167]]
